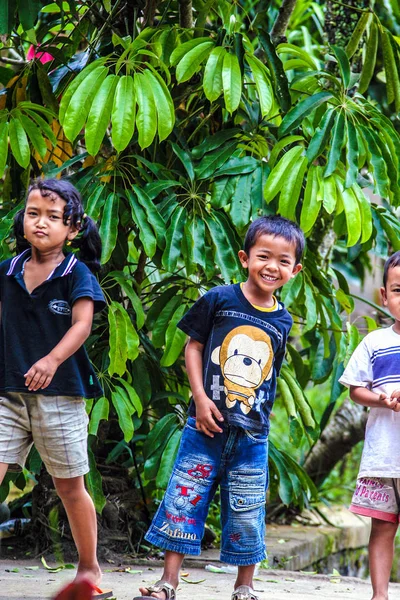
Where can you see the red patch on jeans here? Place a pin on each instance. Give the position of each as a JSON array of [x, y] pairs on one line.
[[200, 471], [235, 537]]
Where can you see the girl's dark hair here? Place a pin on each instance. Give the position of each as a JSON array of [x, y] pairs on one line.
[[88, 239]]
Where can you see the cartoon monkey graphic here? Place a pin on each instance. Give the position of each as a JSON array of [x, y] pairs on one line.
[[245, 357]]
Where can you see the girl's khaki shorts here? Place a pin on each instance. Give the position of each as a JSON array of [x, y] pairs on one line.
[[57, 425]]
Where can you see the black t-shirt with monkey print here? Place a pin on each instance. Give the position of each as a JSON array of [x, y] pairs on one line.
[[243, 352]]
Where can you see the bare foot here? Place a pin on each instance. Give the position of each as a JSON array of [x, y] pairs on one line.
[[93, 574], [145, 592]]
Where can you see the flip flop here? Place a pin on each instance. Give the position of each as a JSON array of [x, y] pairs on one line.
[[160, 586], [82, 590], [98, 593]]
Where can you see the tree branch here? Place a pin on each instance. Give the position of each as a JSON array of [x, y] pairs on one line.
[[279, 28], [12, 61], [185, 14], [344, 431]]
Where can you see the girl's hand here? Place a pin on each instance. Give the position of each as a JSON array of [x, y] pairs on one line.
[[206, 410], [41, 373]]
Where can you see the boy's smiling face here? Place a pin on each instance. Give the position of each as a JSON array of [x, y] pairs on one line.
[[271, 262], [391, 295]]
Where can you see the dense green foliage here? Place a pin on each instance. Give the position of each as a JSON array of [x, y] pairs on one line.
[[177, 137]]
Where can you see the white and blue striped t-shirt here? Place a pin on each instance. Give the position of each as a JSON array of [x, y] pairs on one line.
[[375, 364]]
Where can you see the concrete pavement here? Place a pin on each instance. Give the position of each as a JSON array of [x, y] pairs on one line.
[[39, 584]]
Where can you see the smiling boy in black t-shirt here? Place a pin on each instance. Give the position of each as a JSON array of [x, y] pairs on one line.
[[237, 344]]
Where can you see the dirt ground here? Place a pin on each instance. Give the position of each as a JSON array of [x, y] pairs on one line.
[[196, 584]]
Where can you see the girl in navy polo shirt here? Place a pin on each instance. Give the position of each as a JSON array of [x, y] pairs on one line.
[[48, 298]]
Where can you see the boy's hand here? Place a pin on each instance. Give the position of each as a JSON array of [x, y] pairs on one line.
[[41, 373], [392, 402], [206, 410]]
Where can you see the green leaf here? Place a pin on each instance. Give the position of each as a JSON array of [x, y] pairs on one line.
[[163, 102], [369, 58], [320, 138], [276, 177], [225, 257], [343, 63], [81, 101], [133, 396], [297, 114], [212, 80], [238, 166], [123, 112], [34, 134], [291, 290], [3, 146], [174, 236], [263, 84], [19, 143], [241, 202], [99, 413], [94, 484], [118, 351], [358, 33], [99, 114], [43, 125], [295, 51], [377, 162], [195, 228], [278, 147], [73, 86], [174, 338], [365, 212], [392, 75], [191, 61], [328, 192], [214, 160], [336, 145], [132, 338], [153, 216], [231, 81], [109, 226], [167, 460], [311, 203], [45, 88], [291, 188], [145, 231], [124, 411], [353, 216], [95, 202], [159, 435], [127, 289], [214, 141], [28, 13], [351, 153], [164, 317], [146, 118], [185, 159], [279, 79], [182, 50]]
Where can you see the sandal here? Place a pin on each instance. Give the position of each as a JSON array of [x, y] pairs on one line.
[[244, 592], [160, 586]]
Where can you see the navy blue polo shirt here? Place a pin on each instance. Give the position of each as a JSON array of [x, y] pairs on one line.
[[33, 324]]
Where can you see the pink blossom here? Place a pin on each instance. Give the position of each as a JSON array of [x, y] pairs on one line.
[[44, 57]]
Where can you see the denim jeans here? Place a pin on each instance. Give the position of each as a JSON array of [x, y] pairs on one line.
[[237, 461]]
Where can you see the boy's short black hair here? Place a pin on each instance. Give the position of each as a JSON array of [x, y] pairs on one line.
[[275, 225], [392, 261]]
